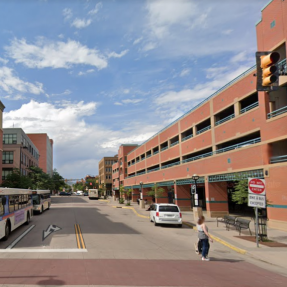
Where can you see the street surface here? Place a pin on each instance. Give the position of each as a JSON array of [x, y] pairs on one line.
[[88, 242]]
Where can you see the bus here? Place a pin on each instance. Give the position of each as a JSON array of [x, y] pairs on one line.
[[41, 200], [16, 208], [93, 194]]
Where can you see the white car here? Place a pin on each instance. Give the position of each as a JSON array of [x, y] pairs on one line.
[[79, 192], [164, 213]]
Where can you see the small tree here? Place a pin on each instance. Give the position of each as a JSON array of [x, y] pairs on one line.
[[156, 191], [122, 192], [240, 194], [128, 193]]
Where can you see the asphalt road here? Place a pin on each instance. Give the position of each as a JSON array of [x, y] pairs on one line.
[[96, 244]]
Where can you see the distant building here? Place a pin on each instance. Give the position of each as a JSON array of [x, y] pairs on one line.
[[105, 172], [2, 107], [18, 152], [45, 147], [120, 167]]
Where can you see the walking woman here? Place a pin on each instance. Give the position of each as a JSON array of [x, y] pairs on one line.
[[204, 237]]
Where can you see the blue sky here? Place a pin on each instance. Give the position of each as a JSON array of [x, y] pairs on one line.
[[97, 74]]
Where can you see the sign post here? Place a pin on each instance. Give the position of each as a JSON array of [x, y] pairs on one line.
[[256, 198]]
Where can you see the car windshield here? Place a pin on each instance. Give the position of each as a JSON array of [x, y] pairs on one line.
[[36, 199], [167, 208]]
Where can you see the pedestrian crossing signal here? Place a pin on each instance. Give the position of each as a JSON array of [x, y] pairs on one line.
[[267, 71]]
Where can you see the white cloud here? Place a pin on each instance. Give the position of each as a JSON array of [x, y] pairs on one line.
[[10, 83], [217, 76], [138, 40], [240, 57], [14, 97], [96, 9], [81, 73], [44, 53], [118, 104], [65, 93], [61, 36], [3, 61], [131, 101], [75, 153], [227, 32], [68, 14], [126, 91], [81, 23], [117, 55], [184, 72], [149, 46]]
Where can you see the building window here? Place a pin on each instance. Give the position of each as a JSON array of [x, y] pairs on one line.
[[10, 139], [8, 157], [5, 173]]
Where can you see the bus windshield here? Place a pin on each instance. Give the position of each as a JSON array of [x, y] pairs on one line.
[[36, 199]]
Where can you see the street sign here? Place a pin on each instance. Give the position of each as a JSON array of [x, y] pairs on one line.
[[256, 186], [256, 201]]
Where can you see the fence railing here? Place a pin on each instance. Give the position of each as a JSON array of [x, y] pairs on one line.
[[277, 112], [203, 130], [154, 169], [248, 108], [186, 138], [164, 148], [142, 172], [197, 157], [282, 67], [280, 158], [171, 164], [225, 119], [155, 152], [239, 145], [133, 175], [148, 155], [175, 143]]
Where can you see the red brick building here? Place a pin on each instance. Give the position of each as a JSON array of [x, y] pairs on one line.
[[234, 132], [45, 147], [119, 168]]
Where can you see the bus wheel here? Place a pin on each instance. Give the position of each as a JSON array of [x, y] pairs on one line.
[[48, 206], [7, 231], [41, 210], [28, 218]]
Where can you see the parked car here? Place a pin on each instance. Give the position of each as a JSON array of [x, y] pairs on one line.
[[86, 193], [80, 192], [163, 213], [65, 193]]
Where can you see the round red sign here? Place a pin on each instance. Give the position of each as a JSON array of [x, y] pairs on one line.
[[256, 186]]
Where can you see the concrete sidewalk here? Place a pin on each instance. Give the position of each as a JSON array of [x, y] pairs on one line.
[[271, 255]]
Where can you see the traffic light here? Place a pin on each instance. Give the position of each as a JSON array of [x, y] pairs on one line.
[[267, 71]]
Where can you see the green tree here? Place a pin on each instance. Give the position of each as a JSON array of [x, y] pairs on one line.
[[240, 194], [122, 192], [17, 180], [58, 181], [40, 179], [128, 193], [156, 191]]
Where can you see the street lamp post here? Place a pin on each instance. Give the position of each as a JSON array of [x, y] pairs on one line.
[[197, 211]]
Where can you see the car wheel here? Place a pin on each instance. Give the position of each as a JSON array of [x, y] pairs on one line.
[[28, 219]]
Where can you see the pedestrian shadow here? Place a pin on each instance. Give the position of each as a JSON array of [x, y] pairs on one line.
[[225, 260]]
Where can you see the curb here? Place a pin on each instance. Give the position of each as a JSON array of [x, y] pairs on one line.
[[217, 239]]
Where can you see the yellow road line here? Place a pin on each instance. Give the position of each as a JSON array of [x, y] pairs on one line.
[[77, 236], [81, 237], [139, 215]]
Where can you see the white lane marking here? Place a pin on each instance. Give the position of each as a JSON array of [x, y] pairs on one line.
[[20, 237], [42, 250]]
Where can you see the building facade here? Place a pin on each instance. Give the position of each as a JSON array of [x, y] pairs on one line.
[[18, 152], [45, 147], [235, 133], [2, 107], [120, 167], [105, 172]]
